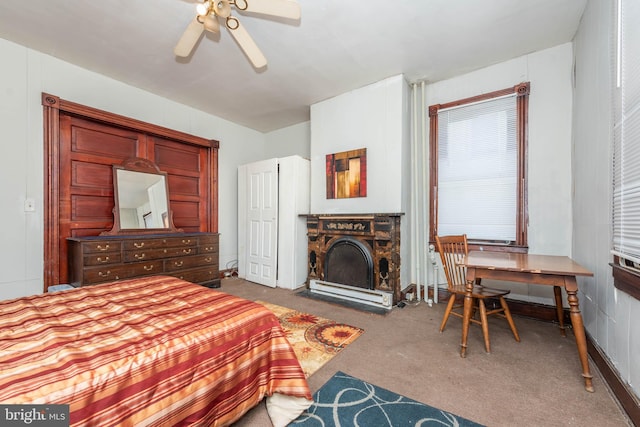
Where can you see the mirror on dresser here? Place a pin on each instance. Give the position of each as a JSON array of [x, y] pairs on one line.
[[141, 199]]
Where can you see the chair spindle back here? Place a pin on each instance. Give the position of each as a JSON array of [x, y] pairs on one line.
[[452, 251]]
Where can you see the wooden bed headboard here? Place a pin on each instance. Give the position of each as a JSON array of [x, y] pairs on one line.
[[81, 145]]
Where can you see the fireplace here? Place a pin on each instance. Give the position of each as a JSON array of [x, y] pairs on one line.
[[349, 261], [355, 257]]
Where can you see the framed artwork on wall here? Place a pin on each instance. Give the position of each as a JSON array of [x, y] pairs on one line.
[[347, 174]]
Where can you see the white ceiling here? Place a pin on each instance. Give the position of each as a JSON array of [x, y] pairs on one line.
[[337, 46]]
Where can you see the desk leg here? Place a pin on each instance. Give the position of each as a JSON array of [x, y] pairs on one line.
[[559, 311], [468, 308], [578, 330]]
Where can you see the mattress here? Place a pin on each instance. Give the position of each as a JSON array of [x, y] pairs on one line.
[[153, 351]]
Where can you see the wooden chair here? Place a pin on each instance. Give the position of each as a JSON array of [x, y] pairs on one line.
[[452, 251]]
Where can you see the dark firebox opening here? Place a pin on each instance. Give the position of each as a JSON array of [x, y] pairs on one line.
[[349, 262]]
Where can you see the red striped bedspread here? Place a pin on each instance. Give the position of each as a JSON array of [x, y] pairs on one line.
[[155, 351]]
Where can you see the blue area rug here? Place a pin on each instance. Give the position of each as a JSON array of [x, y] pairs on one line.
[[348, 401]]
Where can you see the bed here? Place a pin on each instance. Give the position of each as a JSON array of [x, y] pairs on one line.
[[152, 351]]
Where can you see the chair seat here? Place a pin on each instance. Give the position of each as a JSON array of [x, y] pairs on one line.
[[479, 291]]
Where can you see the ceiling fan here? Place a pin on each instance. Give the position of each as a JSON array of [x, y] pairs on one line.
[[211, 12]]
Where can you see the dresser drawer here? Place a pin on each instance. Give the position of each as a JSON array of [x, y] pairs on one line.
[[176, 264], [123, 271], [209, 239], [199, 275], [145, 254], [208, 248], [102, 258], [103, 274], [101, 246], [166, 242]]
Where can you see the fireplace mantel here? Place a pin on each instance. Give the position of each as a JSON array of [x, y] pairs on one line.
[[379, 233]]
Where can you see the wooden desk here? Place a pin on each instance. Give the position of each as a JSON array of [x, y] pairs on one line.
[[554, 271]]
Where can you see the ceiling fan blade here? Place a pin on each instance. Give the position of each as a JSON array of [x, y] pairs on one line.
[[246, 43], [189, 38], [283, 8]]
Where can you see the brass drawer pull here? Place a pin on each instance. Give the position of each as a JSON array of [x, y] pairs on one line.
[[140, 256], [186, 251], [208, 248], [138, 245], [105, 248], [103, 274], [178, 263], [148, 267], [186, 242], [208, 259], [106, 259]]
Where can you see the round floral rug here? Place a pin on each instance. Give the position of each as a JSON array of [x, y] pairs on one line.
[[315, 340]]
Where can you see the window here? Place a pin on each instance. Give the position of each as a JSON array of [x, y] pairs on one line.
[[625, 216], [478, 168]]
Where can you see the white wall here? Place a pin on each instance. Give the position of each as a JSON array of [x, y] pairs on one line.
[[289, 141], [24, 75], [549, 149], [611, 317], [375, 117], [372, 117]]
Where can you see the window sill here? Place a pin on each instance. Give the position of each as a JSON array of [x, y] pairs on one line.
[[496, 247], [626, 279]]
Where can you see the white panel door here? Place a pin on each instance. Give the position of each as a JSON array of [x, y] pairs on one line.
[[262, 222]]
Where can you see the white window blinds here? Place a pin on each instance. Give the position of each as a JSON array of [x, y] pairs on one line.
[[477, 170], [626, 153]]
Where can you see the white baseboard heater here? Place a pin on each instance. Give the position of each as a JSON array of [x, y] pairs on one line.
[[352, 293]]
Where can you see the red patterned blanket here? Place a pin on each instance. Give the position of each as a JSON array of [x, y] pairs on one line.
[[154, 351]]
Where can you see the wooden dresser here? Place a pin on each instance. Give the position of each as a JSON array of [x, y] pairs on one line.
[[189, 256]]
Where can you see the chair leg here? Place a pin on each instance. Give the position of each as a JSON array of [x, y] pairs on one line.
[[485, 325], [507, 314], [447, 312], [476, 305]]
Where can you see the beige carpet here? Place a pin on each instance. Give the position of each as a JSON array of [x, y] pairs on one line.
[[314, 339], [535, 382]]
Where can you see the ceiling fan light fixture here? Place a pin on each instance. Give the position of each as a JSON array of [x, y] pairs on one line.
[[207, 20], [211, 23], [232, 23], [222, 8], [241, 4], [203, 8]]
